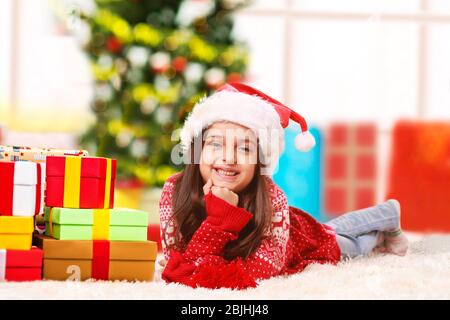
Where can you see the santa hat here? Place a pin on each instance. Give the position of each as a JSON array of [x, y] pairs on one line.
[[244, 105]]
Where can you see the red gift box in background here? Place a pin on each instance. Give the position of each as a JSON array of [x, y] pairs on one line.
[[21, 265], [154, 234], [74, 182], [350, 167], [420, 175]]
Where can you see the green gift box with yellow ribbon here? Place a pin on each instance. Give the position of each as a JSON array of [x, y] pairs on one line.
[[118, 224]]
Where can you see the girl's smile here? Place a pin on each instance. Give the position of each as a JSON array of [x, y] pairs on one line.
[[225, 173]]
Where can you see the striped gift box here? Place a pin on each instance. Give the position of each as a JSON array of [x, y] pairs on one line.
[[350, 167]]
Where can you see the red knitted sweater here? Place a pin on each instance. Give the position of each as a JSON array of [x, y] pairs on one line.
[[294, 241]]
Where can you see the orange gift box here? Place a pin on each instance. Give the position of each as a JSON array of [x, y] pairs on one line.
[[97, 259]]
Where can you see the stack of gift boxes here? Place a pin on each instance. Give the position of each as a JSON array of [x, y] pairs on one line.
[[22, 184], [85, 236], [20, 200]]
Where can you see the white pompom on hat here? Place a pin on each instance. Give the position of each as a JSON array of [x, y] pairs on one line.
[[249, 107]]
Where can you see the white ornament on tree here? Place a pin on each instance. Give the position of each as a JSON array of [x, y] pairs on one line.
[[162, 83], [160, 61], [124, 138], [138, 148], [121, 65], [138, 56], [194, 72], [191, 10], [103, 91], [105, 61], [135, 75], [163, 114], [148, 105], [116, 81], [215, 77]]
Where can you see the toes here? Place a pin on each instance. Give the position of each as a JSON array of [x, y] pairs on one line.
[[380, 249]]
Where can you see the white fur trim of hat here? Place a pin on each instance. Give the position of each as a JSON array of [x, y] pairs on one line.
[[246, 106]]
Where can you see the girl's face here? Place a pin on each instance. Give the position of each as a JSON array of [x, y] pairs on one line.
[[229, 156]]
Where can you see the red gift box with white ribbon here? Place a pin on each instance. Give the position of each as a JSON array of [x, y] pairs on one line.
[[21, 188]]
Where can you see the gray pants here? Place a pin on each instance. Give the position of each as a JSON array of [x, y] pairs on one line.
[[358, 232]]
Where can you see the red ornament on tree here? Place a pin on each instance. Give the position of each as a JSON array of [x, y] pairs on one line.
[[179, 64], [113, 45], [234, 77]]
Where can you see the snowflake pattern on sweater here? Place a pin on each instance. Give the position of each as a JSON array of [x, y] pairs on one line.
[[288, 247]]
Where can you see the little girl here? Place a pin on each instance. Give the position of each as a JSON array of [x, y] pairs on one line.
[[225, 223]]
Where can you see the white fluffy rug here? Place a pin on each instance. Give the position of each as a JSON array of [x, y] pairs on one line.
[[423, 274]]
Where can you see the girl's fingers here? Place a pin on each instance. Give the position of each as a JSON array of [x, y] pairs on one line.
[[162, 262], [380, 249], [207, 186], [225, 194]]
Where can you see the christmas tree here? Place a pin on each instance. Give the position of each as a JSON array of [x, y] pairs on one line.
[[152, 60]]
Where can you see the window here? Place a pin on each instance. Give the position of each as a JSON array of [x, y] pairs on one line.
[[353, 60], [43, 71], [5, 55]]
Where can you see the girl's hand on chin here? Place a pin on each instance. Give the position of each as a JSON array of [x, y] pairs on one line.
[[226, 194], [223, 193]]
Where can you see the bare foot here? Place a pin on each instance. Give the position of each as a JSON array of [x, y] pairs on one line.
[[380, 243], [395, 241]]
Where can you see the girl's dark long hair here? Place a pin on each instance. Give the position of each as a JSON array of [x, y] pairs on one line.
[[189, 209]]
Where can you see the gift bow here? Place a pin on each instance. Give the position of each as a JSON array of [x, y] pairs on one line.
[[72, 181], [100, 225], [2, 264]]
